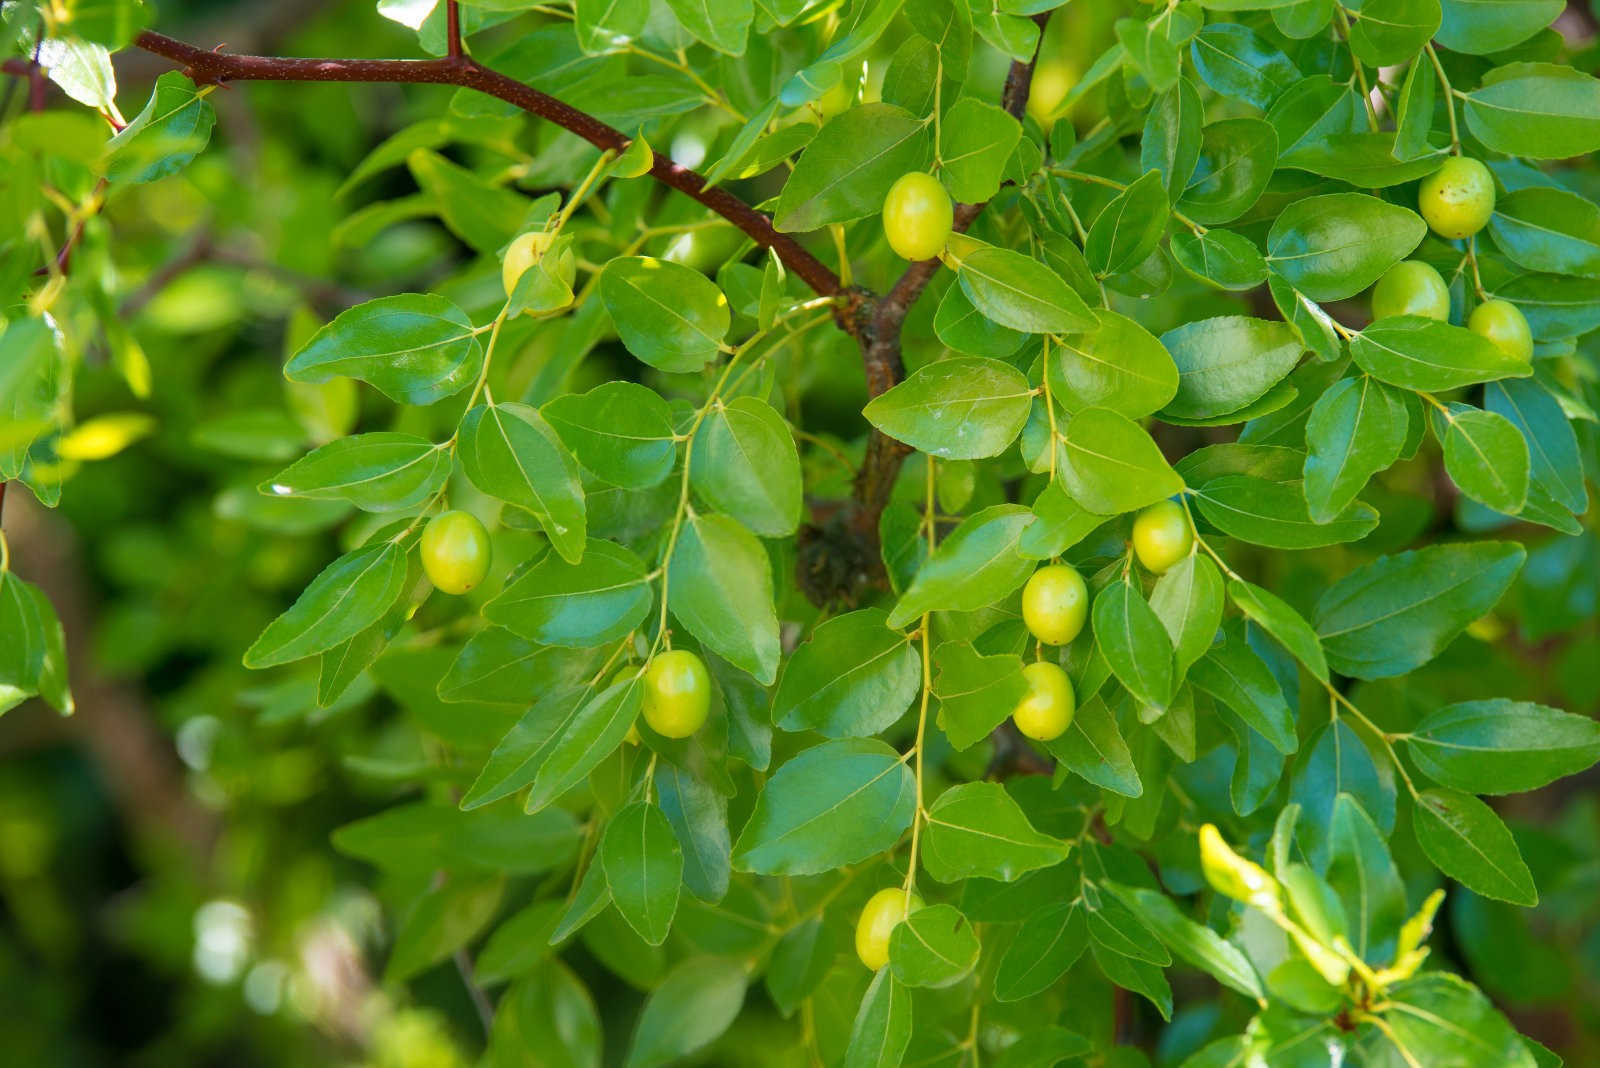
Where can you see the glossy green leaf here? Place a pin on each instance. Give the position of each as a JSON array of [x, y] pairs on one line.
[[719, 586], [415, 347], [1356, 429], [1119, 366], [1126, 229], [837, 803], [1113, 465], [976, 565], [1134, 642], [1545, 229], [933, 947], [1499, 746], [644, 869], [1279, 619], [1466, 840], [1332, 247], [510, 452], [599, 599], [1227, 362], [1487, 457], [882, 1027], [670, 316], [347, 597], [963, 408], [379, 472], [695, 1003], [744, 463], [1398, 612], [976, 139], [621, 431], [1275, 514], [976, 693], [854, 677], [1020, 293], [1426, 354], [1536, 110], [846, 171], [977, 829]]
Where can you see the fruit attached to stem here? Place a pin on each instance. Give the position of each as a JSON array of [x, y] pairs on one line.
[[1458, 198], [1046, 712], [1411, 287], [455, 551], [1162, 536], [882, 913], [1055, 602], [917, 216], [677, 693], [1503, 323]]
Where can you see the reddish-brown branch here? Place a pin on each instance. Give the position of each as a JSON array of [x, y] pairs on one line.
[[452, 31], [881, 341], [216, 68]]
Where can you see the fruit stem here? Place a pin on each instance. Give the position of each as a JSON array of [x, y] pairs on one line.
[[1449, 97]]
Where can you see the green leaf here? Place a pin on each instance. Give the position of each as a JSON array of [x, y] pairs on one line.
[[1198, 945], [599, 599], [1021, 293], [743, 462], [853, 678], [496, 665], [1395, 614], [1220, 257], [1048, 943], [1556, 466], [1466, 840], [976, 693], [1172, 136], [1143, 978], [379, 472], [1445, 1019], [976, 140], [1115, 927], [1414, 111], [670, 316], [963, 408], [604, 25], [1331, 764], [1128, 228], [481, 213], [1093, 748], [568, 748], [1237, 62], [724, 25], [976, 829], [974, 567], [1332, 247], [1275, 514], [1134, 642], [1233, 674], [846, 171], [695, 1003], [519, 943], [33, 660], [800, 962], [698, 814], [620, 431], [1113, 465], [1426, 354], [1060, 523], [882, 1028], [1356, 429], [1236, 160], [1556, 307], [173, 128], [442, 921], [1479, 27], [1118, 366], [836, 803], [1499, 746], [1188, 601], [549, 1011], [1279, 619], [510, 452], [719, 586], [421, 838], [1487, 457], [644, 869], [933, 947], [346, 598], [1545, 229], [960, 325], [1227, 362], [1365, 879], [1536, 110], [1387, 32], [1149, 52], [416, 348]]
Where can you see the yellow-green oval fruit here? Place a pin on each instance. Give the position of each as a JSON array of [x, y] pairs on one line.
[[523, 253], [1055, 603], [455, 551], [1503, 323], [917, 216], [1411, 287], [1458, 198], [1046, 712], [1162, 536], [883, 911], [677, 693]]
